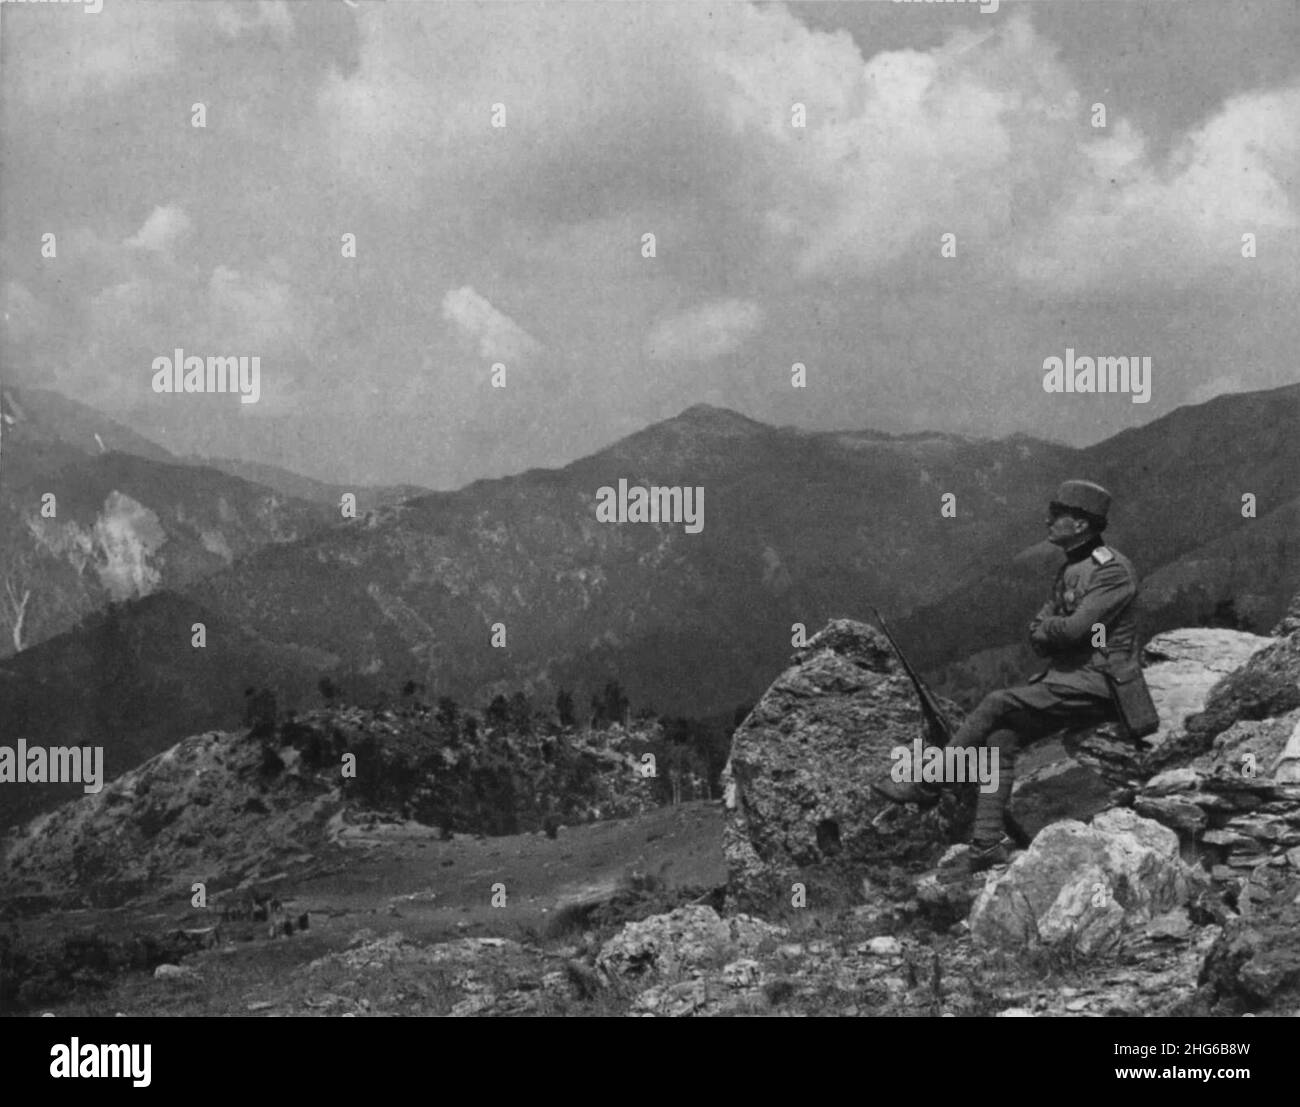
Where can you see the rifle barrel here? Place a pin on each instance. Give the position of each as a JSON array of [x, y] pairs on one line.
[[939, 727]]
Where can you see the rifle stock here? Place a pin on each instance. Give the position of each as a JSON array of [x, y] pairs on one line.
[[936, 724]]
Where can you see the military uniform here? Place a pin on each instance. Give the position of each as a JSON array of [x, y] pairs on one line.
[[1087, 627], [1095, 588]]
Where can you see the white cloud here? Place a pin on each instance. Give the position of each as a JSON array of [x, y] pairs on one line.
[[703, 333], [498, 337], [162, 230], [1130, 219], [985, 135], [621, 119]]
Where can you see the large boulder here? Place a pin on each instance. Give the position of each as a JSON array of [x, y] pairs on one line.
[[1184, 666], [1084, 887], [797, 792]]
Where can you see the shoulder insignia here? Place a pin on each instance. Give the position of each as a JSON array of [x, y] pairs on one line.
[[1102, 556]]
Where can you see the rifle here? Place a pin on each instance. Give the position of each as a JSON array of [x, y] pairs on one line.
[[937, 726]]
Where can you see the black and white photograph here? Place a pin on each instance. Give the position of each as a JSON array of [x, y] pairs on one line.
[[577, 508]]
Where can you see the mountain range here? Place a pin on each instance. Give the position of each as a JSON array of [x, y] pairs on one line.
[[513, 584], [92, 513]]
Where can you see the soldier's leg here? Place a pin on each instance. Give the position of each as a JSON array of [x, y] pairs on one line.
[[979, 724], [1032, 711], [1025, 712], [989, 806], [1007, 721], [985, 720]]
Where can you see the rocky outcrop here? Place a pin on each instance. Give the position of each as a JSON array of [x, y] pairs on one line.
[[1230, 786], [797, 782], [1223, 778], [1084, 886], [1078, 774], [682, 941], [1254, 966], [798, 796], [225, 808], [1290, 622], [1237, 806], [1184, 666], [205, 810]]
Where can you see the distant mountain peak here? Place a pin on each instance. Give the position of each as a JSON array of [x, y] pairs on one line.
[[711, 417]]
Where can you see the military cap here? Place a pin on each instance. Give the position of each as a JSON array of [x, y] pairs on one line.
[[1083, 495]]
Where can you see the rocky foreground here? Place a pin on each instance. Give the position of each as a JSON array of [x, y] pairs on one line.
[[1157, 880]]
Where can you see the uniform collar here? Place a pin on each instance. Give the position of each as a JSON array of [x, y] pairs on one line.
[[1077, 554]]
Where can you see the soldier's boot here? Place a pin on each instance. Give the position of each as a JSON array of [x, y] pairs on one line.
[[977, 858], [989, 846], [926, 795]]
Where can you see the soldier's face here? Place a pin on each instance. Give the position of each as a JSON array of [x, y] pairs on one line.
[[1064, 529]]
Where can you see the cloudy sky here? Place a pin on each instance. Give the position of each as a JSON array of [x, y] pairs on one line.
[[522, 244]]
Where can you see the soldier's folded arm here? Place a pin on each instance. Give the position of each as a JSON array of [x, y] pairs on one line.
[[1035, 644], [1110, 590]]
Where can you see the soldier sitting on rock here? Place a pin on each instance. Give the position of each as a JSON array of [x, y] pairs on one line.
[[1087, 630]]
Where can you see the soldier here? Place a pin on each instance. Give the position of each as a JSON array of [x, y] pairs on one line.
[[1086, 629]]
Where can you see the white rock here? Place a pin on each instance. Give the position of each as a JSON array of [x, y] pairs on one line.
[[1173, 780], [1084, 885]]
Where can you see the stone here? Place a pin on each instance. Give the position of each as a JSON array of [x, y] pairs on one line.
[[1259, 749], [1172, 780], [1052, 784], [679, 941], [672, 1000], [744, 973], [1179, 813], [1254, 966], [1085, 886], [797, 783], [1185, 671], [1171, 925], [1290, 622], [1265, 686], [1287, 765], [1214, 648]]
